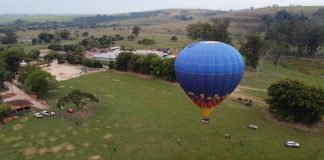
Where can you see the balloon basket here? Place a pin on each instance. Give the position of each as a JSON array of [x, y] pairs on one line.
[[205, 120]]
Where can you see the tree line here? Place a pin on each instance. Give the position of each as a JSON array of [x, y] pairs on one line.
[[146, 64], [282, 34], [80, 22], [32, 78]]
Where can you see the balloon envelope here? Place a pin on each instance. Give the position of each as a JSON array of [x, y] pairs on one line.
[[208, 71]]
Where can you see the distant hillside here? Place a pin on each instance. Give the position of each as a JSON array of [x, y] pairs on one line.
[[171, 21]]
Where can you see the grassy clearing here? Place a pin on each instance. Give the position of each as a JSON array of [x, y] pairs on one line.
[[270, 73], [313, 66], [163, 40], [142, 118]]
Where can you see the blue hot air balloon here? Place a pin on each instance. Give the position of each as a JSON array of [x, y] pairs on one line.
[[208, 72]]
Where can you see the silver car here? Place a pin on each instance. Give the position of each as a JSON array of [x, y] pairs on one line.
[[292, 144], [46, 113], [38, 115]]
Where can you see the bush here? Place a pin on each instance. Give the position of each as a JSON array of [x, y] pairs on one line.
[[34, 79], [156, 66], [34, 54], [174, 38], [133, 63], [50, 56], [291, 100], [111, 64], [183, 17], [149, 64], [60, 58], [92, 63], [55, 47], [73, 58], [144, 63], [122, 60], [168, 71], [146, 41]]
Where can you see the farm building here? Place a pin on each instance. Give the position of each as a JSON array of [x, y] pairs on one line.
[[107, 56], [20, 106], [113, 52]]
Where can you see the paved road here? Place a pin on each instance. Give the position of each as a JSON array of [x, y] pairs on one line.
[[20, 94]]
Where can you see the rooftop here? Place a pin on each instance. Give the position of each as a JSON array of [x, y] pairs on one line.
[[18, 103]]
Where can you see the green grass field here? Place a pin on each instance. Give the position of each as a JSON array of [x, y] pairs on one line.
[[142, 118], [163, 40], [314, 66]]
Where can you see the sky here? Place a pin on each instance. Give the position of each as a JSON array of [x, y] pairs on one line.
[[123, 6]]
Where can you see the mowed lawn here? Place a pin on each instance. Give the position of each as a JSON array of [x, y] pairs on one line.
[[143, 118]]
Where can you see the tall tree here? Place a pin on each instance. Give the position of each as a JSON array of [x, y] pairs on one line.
[[217, 31], [252, 50], [9, 38], [122, 60], [37, 81], [12, 58], [136, 31]]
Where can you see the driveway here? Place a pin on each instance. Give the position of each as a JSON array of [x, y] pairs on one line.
[[20, 94], [67, 71]]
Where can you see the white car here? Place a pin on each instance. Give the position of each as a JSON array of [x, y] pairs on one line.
[[253, 126], [38, 115], [292, 144], [46, 113]]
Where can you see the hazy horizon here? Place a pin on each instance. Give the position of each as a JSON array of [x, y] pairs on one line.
[[124, 6]]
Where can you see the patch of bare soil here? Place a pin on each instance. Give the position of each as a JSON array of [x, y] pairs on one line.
[[17, 127], [52, 139], [42, 151], [107, 136], [237, 94], [253, 89], [62, 147], [94, 157], [29, 151], [19, 144], [8, 95], [86, 144], [12, 139]]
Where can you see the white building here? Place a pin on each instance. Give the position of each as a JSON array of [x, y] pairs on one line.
[[112, 54], [107, 56]]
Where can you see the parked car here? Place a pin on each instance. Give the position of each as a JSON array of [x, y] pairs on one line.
[[70, 110], [253, 126], [38, 115], [292, 144], [46, 113]]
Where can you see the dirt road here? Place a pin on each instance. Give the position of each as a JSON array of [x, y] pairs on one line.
[[20, 94]]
